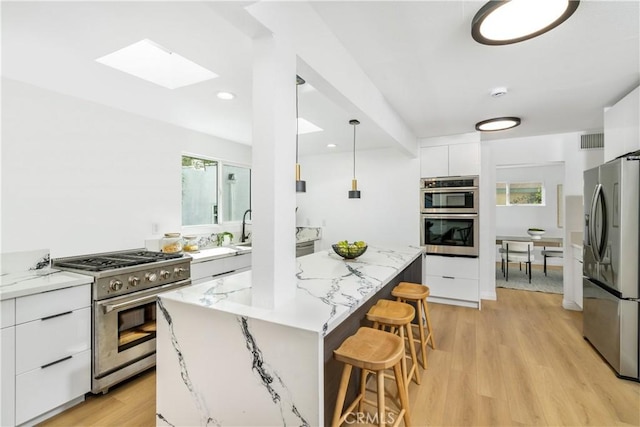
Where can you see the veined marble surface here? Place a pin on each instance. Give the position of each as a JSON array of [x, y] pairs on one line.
[[308, 234], [222, 362], [329, 288], [29, 272]]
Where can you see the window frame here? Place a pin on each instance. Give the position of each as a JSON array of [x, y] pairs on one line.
[[507, 184], [222, 221]]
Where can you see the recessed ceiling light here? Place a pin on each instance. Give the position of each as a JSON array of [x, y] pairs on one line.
[[156, 64], [225, 95], [510, 21], [331, 145], [305, 126], [499, 123]]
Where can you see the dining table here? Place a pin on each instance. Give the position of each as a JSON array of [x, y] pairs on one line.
[[544, 241]]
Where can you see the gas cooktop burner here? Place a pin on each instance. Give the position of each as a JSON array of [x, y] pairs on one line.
[[110, 261]]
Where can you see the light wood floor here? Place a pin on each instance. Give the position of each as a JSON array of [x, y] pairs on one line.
[[521, 360]]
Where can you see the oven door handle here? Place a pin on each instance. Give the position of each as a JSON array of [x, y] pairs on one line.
[[450, 190], [107, 308], [450, 216]]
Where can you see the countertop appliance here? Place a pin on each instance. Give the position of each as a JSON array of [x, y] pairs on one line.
[[124, 292], [449, 222], [611, 287]]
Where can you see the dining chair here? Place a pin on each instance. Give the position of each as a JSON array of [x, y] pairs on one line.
[[520, 252]]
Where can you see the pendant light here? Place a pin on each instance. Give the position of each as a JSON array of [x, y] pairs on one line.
[[354, 193], [301, 186]]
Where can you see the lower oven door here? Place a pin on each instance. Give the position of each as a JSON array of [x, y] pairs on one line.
[[124, 328], [450, 234]]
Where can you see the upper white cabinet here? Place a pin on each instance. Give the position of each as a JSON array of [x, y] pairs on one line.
[[450, 160], [622, 126]]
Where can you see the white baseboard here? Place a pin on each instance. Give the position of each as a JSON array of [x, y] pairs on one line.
[[570, 305]]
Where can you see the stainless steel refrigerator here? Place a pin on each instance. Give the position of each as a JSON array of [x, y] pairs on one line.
[[611, 286]]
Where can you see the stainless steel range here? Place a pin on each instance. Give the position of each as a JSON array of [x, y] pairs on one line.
[[125, 287]]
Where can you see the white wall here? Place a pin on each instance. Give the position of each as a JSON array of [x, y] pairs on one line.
[[515, 220], [79, 177], [387, 213]]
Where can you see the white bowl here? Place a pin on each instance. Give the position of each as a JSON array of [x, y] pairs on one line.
[[535, 234]]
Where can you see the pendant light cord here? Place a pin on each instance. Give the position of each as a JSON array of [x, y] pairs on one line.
[[354, 151], [297, 84]]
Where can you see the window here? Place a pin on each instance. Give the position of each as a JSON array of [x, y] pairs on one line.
[[520, 194], [204, 201]]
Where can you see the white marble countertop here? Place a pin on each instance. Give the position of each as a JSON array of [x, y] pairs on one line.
[[217, 253], [20, 284], [329, 288]]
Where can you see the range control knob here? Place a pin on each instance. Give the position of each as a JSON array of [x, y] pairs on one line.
[[115, 285], [134, 281], [179, 271], [165, 274], [151, 277]]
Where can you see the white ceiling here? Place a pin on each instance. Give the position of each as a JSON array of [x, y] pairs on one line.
[[419, 54]]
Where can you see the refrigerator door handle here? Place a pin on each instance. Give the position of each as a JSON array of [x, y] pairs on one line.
[[595, 244]]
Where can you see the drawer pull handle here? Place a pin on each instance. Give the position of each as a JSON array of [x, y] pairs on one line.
[[56, 315], [448, 277], [56, 362]]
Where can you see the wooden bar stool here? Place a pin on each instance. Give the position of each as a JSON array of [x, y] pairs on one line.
[[414, 292], [371, 350], [392, 315]]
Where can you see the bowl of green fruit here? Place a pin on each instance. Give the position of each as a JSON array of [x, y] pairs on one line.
[[349, 250]]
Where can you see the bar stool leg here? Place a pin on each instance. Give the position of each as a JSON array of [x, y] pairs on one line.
[[423, 341], [342, 392], [414, 358], [428, 320], [402, 391], [381, 400]]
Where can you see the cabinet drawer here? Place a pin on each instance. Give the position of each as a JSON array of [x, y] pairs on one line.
[[7, 376], [51, 303], [460, 289], [458, 267], [237, 262], [43, 389], [44, 341], [8, 313]]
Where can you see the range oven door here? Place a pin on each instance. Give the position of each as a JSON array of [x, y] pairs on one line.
[[124, 328], [450, 234]]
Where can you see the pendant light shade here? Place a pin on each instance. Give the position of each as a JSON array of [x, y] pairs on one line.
[[301, 186], [354, 193]]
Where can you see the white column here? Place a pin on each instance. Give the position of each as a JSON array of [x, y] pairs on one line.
[[273, 172]]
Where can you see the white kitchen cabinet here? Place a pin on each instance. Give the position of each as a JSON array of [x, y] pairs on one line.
[[450, 160], [52, 351], [7, 363], [202, 271], [622, 126], [453, 280]]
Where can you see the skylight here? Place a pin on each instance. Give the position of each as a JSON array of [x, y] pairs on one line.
[[305, 126], [156, 64]]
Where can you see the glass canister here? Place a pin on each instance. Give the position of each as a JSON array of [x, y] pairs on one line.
[[190, 243], [171, 243]]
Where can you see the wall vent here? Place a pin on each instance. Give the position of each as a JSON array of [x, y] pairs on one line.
[[591, 140]]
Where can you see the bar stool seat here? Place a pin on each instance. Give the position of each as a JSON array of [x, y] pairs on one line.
[[371, 350], [394, 315], [416, 293]]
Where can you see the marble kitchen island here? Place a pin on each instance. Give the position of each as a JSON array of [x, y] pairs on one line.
[[223, 362]]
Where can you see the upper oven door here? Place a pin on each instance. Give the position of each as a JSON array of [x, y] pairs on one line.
[[450, 234], [451, 200]]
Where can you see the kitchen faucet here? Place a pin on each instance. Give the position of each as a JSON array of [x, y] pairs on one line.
[[243, 237]]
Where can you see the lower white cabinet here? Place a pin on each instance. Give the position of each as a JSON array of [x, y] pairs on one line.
[[204, 271], [7, 363], [52, 351], [453, 280]]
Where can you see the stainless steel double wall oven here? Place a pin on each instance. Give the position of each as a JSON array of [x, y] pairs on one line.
[[449, 215], [125, 288]]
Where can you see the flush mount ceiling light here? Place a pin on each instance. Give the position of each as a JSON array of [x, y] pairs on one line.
[[510, 21], [354, 193], [156, 64], [331, 145], [301, 186], [499, 123], [227, 96]]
